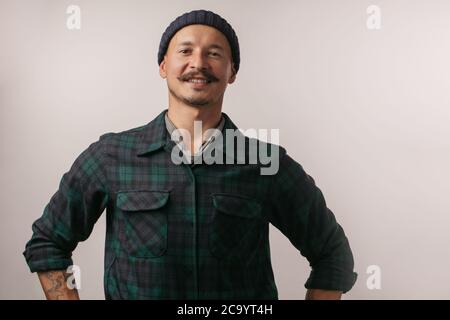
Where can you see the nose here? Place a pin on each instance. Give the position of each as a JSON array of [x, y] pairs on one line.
[[199, 60]]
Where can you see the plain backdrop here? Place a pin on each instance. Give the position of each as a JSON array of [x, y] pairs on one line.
[[366, 113]]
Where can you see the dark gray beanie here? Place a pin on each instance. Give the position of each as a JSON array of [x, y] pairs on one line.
[[205, 17]]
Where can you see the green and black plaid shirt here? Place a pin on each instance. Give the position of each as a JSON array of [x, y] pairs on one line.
[[176, 231]]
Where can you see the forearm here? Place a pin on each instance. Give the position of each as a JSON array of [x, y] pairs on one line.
[[319, 294], [54, 284]]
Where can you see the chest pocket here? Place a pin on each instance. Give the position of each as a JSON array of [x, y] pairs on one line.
[[144, 213], [235, 231]]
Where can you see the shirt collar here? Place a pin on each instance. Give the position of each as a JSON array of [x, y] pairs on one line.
[[177, 137], [155, 135]]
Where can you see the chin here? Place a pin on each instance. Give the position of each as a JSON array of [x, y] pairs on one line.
[[199, 103]]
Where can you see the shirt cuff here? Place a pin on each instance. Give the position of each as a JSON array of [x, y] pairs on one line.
[[329, 279], [49, 264]]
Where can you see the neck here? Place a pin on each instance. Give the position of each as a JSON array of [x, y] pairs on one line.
[[183, 117]]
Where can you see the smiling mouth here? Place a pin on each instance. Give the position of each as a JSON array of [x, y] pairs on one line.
[[200, 81]]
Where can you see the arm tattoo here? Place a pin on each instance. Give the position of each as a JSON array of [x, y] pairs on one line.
[[58, 281]]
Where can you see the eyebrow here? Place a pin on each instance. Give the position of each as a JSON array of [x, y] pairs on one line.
[[216, 46], [189, 43]]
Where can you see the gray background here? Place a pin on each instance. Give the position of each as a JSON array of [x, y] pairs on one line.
[[366, 112]]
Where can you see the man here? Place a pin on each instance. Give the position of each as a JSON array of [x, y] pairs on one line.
[[191, 229]]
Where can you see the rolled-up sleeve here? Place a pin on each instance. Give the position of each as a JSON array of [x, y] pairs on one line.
[[298, 209], [71, 213]]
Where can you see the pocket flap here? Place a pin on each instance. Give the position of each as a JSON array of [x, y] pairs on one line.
[[141, 200], [236, 205]]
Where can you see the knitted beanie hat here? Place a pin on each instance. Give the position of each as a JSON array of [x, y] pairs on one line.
[[204, 17]]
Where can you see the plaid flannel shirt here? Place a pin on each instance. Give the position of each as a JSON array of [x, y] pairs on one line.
[[177, 231]]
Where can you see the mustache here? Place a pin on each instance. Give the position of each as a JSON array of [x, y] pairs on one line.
[[204, 74]]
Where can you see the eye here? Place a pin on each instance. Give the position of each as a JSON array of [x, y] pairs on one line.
[[214, 54], [184, 51]]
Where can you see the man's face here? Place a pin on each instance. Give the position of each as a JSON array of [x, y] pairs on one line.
[[198, 66]]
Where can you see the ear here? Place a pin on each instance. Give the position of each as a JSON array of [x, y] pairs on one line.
[[162, 69], [233, 74]]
